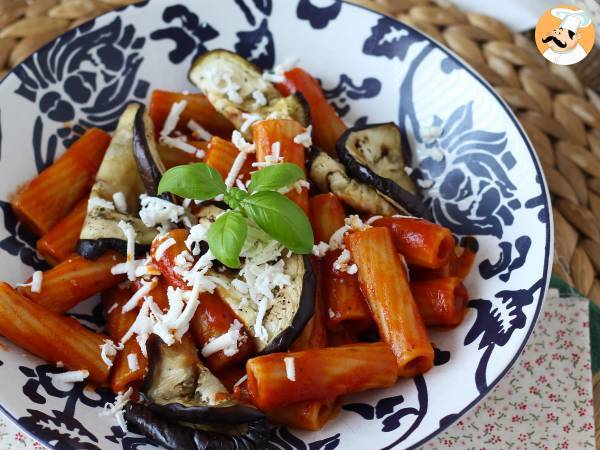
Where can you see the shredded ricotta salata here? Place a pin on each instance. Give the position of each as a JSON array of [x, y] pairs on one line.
[[290, 367], [116, 409]]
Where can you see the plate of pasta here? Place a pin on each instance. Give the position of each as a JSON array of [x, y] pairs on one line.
[[259, 225]]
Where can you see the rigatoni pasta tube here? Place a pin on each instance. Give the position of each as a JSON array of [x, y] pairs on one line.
[[75, 280], [326, 216], [198, 108], [50, 336], [343, 300], [442, 301], [327, 125], [60, 242], [214, 318], [384, 282], [53, 193], [117, 324], [310, 415], [423, 244], [221, 155], [282, 132], [320, 374]]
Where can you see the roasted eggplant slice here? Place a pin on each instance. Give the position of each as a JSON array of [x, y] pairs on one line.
[[329, 175], [118, 173], [179, 387], [291, 309], [179, 436], [373, 155], [235, 87], [150, 166]]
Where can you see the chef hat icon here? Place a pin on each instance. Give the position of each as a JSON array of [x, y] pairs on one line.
[[571, 20]]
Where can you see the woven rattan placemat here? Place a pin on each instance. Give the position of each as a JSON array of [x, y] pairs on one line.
[[561, 116]]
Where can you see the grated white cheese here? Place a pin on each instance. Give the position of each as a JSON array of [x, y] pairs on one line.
[[64, 380], [129, 233], [305, 138], [36, 282], [240, 185], [228, 342], [163, 247], [157, 211], [171, 121], [60, 364], [250, 119], [352, 269], [298, 186], [236, 167], [94, 202], [198, 233], [278, 73], [373, 219], [109, 350], [181, 144], [240, 381], [142, 292], [408, 170], [290, 367], [199, 130], [319, 250], [242, 145], [425, 184], [259, 98], [431, 134], [132, 362], [330, 313], [112, 308], [341, 264], [116, 409], [225, 85], [120, 202]]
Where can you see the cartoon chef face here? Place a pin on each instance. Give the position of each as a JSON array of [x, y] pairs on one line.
[[561, 39]]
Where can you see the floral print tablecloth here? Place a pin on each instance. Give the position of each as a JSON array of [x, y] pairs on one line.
[[545, 401]]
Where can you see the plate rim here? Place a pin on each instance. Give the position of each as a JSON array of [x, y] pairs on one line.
[[548, 252]]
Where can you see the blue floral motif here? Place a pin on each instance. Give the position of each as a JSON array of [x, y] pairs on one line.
[[257, 45], [91, 71], [505, 264], [263, 6], [128, 441], [188, 33], [391, 39], [283, 439], [21, 241], [496, 323], [339, 95], [537, 201], [473, 191], [60, 426], [391, 420], [318, 16]]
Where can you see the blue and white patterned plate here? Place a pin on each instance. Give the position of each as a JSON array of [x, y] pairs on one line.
[[488, 184]]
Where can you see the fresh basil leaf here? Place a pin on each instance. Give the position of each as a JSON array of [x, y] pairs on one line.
[[197, 181], [281, 219], [275, 177], [234, 196], [226, 237]]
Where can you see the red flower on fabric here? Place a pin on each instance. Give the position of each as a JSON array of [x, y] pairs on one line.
[[522, 406], [522, 437], [566, 428]]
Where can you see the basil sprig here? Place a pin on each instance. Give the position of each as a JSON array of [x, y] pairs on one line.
[[279, 217]]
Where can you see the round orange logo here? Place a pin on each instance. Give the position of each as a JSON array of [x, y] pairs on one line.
[[565, 35]]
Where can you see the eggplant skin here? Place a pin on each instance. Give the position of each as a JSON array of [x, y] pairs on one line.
[[176, 436], [330, 175], [389, 189], [284, 340], [150, 167], [94, 248], [231, 415]]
